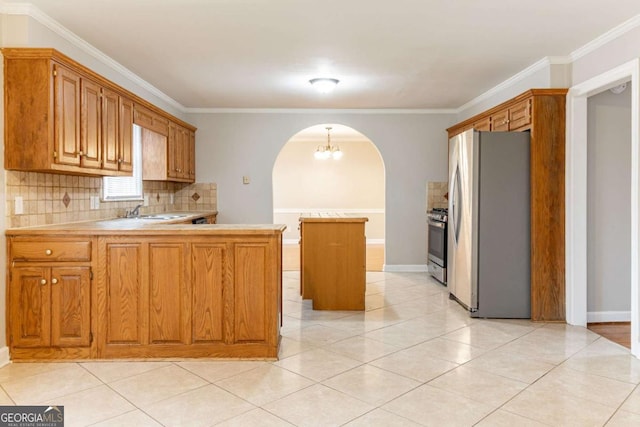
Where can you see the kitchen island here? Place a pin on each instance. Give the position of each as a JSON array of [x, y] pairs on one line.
[[135, 288], [333, 261]]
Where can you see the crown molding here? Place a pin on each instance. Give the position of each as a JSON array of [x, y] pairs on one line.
[[530, 70], [11, 8], [605, 38], [35, 13], [321, 110]]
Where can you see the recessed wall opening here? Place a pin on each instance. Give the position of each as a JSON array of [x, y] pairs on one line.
[[353, 184]]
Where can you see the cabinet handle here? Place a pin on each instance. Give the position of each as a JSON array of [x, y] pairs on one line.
[[80, 153], [43, 281], [119, 160], [48, 252], [54, 281]]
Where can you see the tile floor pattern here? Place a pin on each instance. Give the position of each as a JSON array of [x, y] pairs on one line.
[[412, 358]]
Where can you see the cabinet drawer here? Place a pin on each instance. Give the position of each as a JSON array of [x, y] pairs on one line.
[[54, 250]]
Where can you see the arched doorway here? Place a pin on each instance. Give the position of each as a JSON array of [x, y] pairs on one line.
[[353, 184]]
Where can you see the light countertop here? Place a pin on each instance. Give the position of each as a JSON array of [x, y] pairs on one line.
[[133, 226]]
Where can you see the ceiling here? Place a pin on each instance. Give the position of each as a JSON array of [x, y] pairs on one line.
[[402, 54]]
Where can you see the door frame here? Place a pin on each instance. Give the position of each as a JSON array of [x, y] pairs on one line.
[[576, 194]]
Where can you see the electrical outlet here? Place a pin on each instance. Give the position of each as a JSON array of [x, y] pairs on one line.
[[18, 207], [245, 179], [170, 199], [95, 202], [146, 200]]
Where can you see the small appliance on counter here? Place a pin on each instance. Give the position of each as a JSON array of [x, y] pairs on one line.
[[437, 244]]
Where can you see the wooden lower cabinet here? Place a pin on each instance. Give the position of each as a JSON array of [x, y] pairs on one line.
[[333, 262], [208, 297], [51, 307], [49, 297]]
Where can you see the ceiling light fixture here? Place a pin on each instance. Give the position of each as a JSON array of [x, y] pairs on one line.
[[324, 152], [324, 85]]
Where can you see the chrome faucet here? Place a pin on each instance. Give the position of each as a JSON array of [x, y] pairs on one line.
[[135, 211]]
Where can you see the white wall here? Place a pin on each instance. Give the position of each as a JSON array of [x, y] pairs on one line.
[[609, 206], [23, 31], [607, 56], [543, 74], [413, 148]]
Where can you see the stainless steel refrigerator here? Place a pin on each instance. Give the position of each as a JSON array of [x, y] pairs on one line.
[[489, 223]]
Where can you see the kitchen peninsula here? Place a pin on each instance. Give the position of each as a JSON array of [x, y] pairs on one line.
[[142, 288]]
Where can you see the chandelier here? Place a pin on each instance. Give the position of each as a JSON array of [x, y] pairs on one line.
[[328, 151]]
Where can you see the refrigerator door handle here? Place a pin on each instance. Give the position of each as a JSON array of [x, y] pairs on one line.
[[455, 205]]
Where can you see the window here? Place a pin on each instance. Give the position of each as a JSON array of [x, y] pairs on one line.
[[126, 187]]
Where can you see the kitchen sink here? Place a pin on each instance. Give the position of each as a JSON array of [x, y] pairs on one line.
[[162, 216]]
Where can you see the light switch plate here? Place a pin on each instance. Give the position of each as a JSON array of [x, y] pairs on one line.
[[245, 179]]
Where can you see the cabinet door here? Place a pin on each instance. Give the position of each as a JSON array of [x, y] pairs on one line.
[[520, 115], [67, 116], [178, 148], [183, 153], [207, 313], [91, 131], [30, 305], [125, 319], [172, 144], [168, 295], [110, 129], [71, 307], [252, 305], [483, 125], [125, 147], [191, 154], [500, 121]]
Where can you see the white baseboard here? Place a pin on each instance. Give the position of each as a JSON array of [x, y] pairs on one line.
[[4, 356], [399, 268], [608, 316], [369, 241]]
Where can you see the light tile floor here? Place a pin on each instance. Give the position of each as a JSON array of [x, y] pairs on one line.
[[412, 358]]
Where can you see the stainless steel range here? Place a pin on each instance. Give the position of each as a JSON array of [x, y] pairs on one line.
[[437, 244]]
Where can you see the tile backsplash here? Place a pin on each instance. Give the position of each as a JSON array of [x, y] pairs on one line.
[[44, 196], [437, 193]]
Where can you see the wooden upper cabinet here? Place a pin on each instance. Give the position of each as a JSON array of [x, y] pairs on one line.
[[171, 158], [149, 120], [192, 156], [500, 121], [125, 142], [91, 132], [163, 157], [67, 116], [62, 117], [110, 129], [520, 115], [483, 125], [542, 112]]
